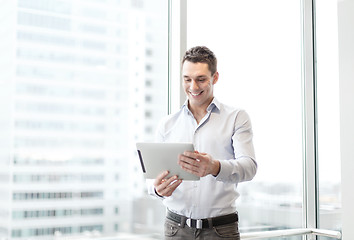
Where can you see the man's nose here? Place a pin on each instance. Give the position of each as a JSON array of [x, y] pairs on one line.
[[194, 85]]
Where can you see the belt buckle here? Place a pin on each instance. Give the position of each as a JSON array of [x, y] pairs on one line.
[[199, 223]]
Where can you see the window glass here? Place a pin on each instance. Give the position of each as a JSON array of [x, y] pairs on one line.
[[328, 115], [80, 83], [258, 46]]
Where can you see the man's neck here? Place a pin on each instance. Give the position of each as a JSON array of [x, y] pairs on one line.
[[198, 111]]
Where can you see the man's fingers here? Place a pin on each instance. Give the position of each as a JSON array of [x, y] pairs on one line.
[[160, 177], [165, 187], [190, 154], [190, 168], [188, 160], [166, 182], [194, 163], [169, 189]]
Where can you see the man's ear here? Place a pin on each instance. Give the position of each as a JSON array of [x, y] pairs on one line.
[[215, 77]]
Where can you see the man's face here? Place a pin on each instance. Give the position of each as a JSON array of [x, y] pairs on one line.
[[198, 83]]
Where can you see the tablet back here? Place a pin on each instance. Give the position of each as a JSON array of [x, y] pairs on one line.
[[158, 157]]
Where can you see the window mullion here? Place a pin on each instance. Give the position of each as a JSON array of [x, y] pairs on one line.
[[310, 161], [177, 48]]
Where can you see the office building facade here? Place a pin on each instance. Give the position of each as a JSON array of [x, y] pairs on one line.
[[80, 84]]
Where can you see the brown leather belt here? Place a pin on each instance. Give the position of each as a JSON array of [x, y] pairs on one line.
[[202, 223]]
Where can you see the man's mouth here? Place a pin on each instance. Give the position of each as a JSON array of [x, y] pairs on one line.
[[196, 94]]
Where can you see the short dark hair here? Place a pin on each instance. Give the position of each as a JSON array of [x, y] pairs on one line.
[[201, 54]]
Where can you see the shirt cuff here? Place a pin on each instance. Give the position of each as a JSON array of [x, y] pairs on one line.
[[151, 189]]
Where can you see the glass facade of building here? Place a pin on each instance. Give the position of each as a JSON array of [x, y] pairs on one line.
[[82, 81]]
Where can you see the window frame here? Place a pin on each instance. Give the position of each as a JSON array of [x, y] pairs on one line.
[[309, 109]]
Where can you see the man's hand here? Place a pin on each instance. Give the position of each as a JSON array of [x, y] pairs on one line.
[[200, 164], [165, 187]]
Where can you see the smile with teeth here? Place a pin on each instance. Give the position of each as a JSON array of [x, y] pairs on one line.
[[195, 94]]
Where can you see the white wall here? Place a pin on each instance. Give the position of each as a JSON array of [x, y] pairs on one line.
[[346, 85]]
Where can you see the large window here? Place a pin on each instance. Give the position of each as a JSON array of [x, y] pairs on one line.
[[258, 46], [81, 82]]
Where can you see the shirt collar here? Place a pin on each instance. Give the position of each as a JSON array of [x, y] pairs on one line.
[[214, 103]]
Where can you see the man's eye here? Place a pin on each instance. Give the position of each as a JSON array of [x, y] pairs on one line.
[[201, 79], [187, 80]]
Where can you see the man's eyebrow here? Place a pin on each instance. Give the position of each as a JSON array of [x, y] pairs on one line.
[[199, 76]]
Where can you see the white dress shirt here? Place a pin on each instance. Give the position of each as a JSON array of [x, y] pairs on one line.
[[226, 134]]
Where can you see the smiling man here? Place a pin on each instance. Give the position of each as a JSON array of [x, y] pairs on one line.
[[224, 156], [198, 84]]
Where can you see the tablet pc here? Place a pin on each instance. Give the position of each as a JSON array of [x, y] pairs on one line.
[[158, 157]]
